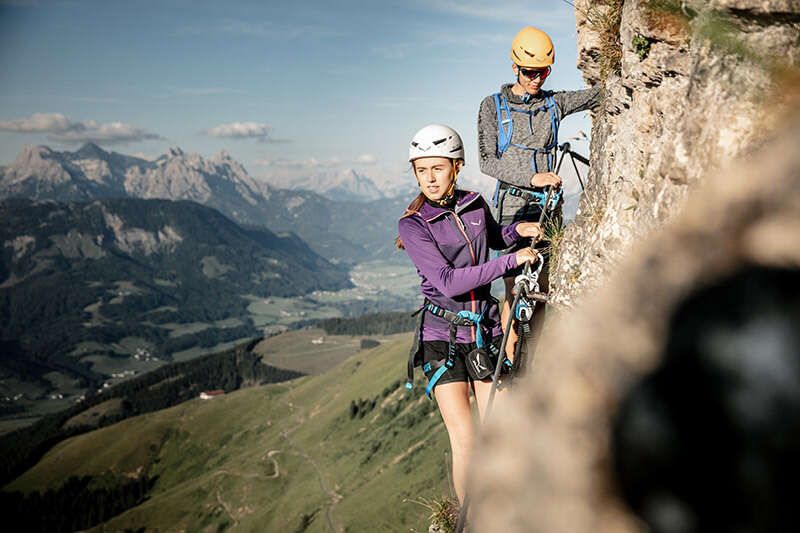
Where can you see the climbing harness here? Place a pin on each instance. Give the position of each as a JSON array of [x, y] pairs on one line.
[[456, 320], [534, 197]]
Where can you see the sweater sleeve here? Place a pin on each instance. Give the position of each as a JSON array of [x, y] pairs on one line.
[[431, 264], [576, 101], [500, 237], [487, 139]]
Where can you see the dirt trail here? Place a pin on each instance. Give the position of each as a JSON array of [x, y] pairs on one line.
[[270, 455], [334, 497]]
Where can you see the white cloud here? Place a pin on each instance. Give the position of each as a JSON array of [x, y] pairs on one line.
[[37, 123], [60, 128], [111, 133], [244, 130], [241, 130]]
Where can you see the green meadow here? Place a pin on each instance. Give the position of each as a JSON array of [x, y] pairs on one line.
[[347, 450]]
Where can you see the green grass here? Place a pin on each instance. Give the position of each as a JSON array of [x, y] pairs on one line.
[[215, 469], [286, 311], [296, 351]]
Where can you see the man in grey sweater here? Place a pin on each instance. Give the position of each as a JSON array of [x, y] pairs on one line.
[[518, 142]]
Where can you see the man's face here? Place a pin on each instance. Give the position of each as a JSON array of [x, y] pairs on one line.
[[531, 79]]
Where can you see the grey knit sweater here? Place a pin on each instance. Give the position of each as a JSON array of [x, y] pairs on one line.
[[514, 166]]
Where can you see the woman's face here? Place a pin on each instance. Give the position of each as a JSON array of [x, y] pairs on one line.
[[435, 176]]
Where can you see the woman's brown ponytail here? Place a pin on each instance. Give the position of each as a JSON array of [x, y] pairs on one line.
[[412, 209]]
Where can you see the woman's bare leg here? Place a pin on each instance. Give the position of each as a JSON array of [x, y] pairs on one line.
[[482, 389], [453, 401]]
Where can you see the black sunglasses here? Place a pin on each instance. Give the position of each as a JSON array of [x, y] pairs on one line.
[[533, 73]]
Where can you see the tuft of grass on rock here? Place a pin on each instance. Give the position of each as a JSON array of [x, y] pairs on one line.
[[604, 18], [554, 235], [443, 513]]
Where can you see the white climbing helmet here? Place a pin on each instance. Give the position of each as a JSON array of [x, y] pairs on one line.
[[436, 140]]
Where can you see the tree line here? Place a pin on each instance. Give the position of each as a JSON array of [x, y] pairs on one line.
[[371, 324], [161, 388], [78, 504]]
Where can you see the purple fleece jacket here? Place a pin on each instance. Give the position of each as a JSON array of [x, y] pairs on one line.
[[456, 273]]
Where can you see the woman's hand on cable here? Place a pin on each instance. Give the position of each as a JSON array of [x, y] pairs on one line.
[[526, 255], [531, 230], [544, 179]]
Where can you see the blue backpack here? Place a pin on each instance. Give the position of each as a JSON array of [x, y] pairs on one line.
[[505, 129]]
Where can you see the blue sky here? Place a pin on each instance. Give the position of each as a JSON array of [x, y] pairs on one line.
[[303, 85]]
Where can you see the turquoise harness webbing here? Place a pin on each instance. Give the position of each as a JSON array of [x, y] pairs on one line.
[[456, 319]]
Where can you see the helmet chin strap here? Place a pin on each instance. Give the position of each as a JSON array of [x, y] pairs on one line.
[[448, 198]]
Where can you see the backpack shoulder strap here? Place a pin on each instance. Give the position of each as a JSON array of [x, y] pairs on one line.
[[505, 125], [555, 116]]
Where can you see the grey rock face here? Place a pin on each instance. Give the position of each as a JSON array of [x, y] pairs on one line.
[[680, 107], [695, 177]]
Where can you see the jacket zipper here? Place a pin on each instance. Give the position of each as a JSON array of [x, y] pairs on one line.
[[463, 230]]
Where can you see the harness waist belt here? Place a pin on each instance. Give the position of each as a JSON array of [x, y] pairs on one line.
[[534, 197], [456, 320]]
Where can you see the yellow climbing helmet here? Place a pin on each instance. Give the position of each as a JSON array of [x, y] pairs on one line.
[[532, 48]]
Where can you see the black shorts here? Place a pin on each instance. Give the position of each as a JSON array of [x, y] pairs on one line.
[[437, 351]]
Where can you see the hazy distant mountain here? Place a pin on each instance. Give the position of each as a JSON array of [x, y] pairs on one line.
[[344, 185], [344, 231], [109, 269]]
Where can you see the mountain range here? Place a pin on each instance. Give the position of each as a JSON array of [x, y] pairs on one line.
[[325, 223]]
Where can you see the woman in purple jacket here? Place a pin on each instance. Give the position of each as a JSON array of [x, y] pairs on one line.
[[447, 233]]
